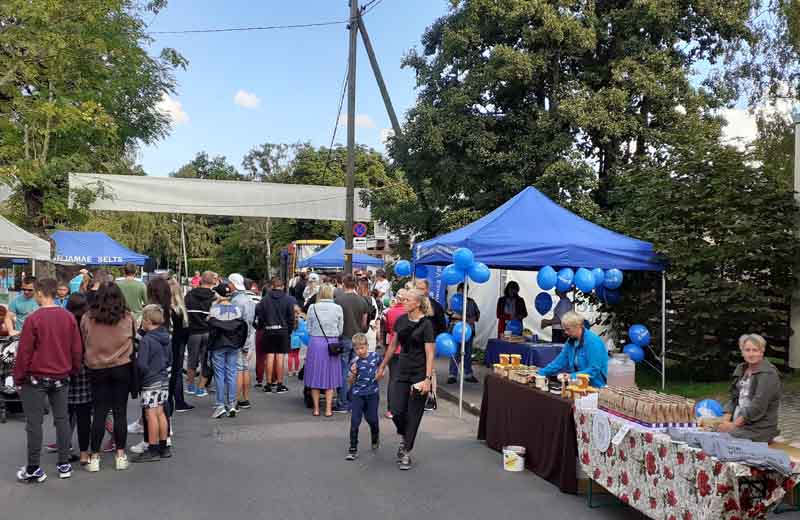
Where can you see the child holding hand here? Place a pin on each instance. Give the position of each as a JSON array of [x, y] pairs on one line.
[[365, 393]]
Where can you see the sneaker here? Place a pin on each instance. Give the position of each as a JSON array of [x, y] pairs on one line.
[[51, 448], [281, 389], [405, 462], [212, 389], [471, 379], [139, 448], [121, 462], [232, 411], [166, 453], [267, 388], [352, 454], [37, 476], [451, 380], [219, 411], [401, 451], [191, 389], [259, 384], [135, 427], [201, 392], [389, 415], [147, 456], [244, 405], [94, 464], [64, 470], [184, 408], [376, 444], [109, 446], [169, 441], [341, 410]]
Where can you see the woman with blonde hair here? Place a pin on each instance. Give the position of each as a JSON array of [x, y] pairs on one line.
[[414, 332], [323, 372], [755, 392], [179, 320]]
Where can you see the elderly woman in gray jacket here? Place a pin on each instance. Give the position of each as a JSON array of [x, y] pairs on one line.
[[323, 372], [755, 394]]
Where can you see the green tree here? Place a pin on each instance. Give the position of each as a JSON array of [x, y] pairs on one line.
[[203, 167], [78, 92]]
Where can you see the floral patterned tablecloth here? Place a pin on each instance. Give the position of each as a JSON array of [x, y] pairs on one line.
[[671, 481]]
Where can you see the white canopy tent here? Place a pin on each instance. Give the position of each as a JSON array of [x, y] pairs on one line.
[[15, 242]]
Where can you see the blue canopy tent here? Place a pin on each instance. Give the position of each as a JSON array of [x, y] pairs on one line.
[[93, 248], [332, 257], [531, 231]]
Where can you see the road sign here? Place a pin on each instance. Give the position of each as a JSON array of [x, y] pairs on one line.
[[360, 230], [360, 243]]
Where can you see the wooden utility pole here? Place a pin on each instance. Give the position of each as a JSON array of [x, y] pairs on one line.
[[387, 101], [351, 136]]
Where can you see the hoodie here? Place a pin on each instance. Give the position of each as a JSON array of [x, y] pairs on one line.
[[155, 357], [275, 313], [198, 303]]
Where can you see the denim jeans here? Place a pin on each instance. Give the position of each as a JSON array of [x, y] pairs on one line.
[[364, 406], [225, 375], [347, 355], [467, 360]]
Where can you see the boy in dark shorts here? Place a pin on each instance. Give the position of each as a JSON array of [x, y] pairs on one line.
[[153, 362]]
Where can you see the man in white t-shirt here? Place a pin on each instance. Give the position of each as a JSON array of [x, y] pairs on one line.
[[382, 285], [563, 306]]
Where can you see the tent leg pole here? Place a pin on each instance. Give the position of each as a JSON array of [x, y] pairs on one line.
[[663, 330], [463, 349]]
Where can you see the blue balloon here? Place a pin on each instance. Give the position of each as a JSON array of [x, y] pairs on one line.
[[479, 272], [599, 276], [543, 303], [463, 258], [421, 271], [451, 275], [515, 327], [457, 303], [457, 331], [565, 277], [639, 335], [613, 279], [445, 345], [708, 408], [402, 268], [634, 352], [547, 278], [584, 280]]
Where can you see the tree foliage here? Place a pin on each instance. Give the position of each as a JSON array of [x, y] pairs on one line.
[[78, 92]]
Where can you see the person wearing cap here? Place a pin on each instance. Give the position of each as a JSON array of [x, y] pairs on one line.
[[247, 307]]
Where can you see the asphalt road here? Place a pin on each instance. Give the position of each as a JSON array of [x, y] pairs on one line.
[[276, 461]]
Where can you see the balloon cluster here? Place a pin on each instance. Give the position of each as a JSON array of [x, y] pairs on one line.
[[605, 283], [640, 338]]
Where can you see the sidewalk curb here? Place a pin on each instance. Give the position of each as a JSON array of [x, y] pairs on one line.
[[447, 395]]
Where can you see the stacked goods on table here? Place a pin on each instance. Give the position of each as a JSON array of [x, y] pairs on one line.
[[511, 367], [647, 407]]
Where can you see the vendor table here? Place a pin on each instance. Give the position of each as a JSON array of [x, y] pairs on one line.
[[666, 480], [543, 423], [538, 354]]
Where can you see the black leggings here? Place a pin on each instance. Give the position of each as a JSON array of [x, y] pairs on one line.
[[80, 415], [110, 387], [407, 411]]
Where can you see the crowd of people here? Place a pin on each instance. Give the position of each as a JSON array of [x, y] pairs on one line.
[[88, 345]]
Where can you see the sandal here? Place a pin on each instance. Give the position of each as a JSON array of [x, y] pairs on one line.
[[329, 414]]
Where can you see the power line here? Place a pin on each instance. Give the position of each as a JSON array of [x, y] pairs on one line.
[[255, 28], [338, 115]]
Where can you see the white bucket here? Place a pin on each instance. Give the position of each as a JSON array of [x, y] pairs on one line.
[[513, 458]]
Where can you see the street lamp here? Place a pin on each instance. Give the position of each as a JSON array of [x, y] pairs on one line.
[[794, 339]]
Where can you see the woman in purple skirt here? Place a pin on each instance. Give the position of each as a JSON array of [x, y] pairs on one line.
[[323, 371]]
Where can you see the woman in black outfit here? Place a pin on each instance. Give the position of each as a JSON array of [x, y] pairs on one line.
[[180, 335], [415, 334]]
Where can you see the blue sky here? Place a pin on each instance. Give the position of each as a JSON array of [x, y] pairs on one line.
[[246, 88]]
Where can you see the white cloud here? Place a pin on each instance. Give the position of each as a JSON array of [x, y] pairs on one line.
[[386, 134], [742, 129], [172, 108], [246, 99], [362, 121]]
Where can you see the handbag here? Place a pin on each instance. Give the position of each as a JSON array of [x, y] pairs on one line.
[[334, 349]]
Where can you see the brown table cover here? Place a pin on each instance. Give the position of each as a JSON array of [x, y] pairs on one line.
[[543, 423]]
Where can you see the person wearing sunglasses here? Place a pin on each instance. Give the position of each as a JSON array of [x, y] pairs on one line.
[[24, 304]]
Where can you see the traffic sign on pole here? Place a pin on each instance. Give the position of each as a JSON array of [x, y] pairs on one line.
[[360, 230]]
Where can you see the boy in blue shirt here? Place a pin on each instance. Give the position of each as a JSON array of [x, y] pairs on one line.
[[365, 393]]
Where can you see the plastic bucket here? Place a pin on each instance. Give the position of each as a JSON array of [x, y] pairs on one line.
[[513, 458]]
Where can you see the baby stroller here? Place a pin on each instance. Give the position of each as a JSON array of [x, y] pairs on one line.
[[10, 401]]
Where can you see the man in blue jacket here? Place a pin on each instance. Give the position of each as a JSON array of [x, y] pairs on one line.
[[583, 353]]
